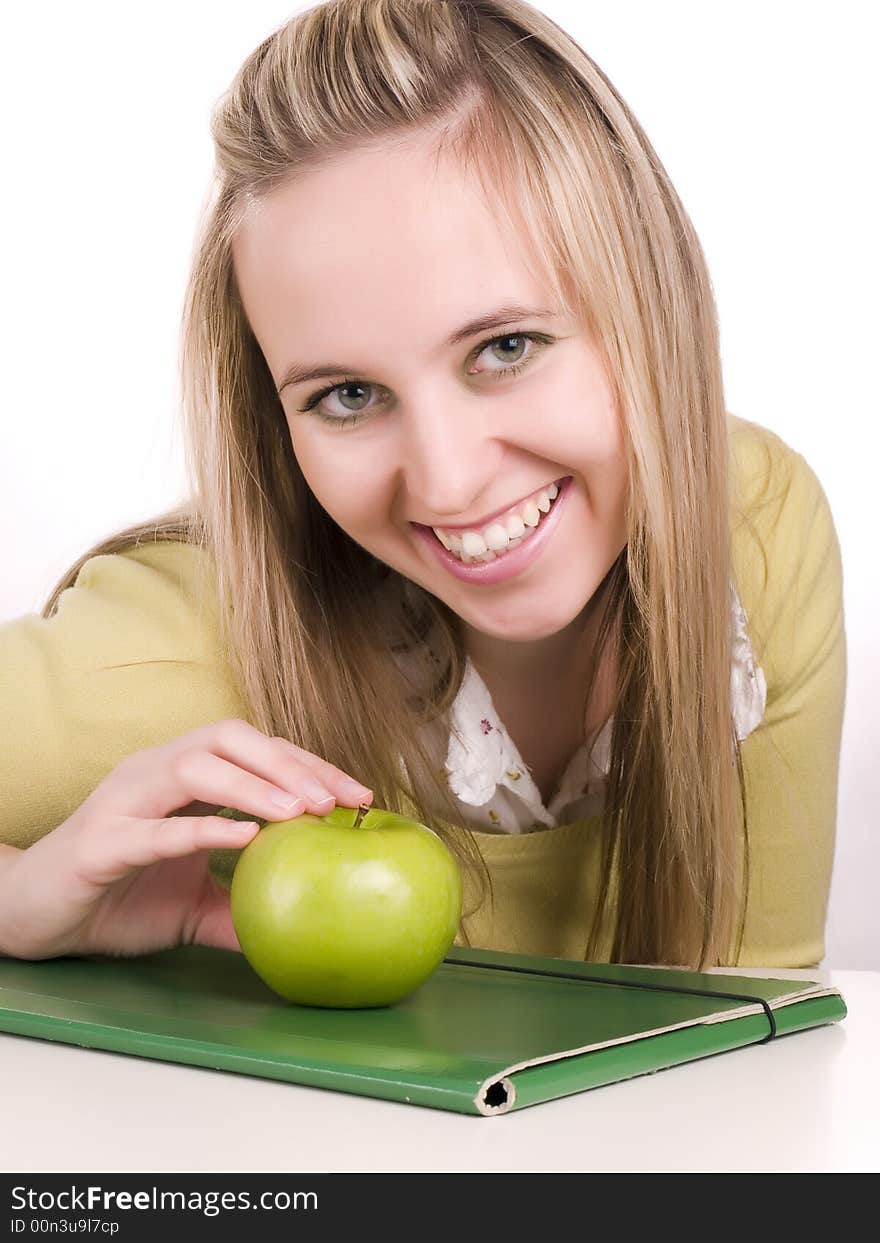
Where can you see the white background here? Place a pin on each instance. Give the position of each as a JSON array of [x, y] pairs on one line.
[[762, 114]]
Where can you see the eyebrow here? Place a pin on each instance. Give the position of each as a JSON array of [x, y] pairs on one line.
[[298, 373]]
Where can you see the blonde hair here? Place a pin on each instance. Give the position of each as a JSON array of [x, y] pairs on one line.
[[525, 109]]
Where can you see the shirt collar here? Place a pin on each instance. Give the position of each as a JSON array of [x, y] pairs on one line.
[[481, 755]]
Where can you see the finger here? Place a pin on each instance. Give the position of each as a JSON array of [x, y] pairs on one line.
[[293, 769], [138, 843], [275, 761], [212, 779], [338, 783], [213, 924], [152, 784], [278, 760]]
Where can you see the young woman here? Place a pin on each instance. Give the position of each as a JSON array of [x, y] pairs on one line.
[[469, 523]]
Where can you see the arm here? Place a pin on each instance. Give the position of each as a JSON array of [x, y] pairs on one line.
[[8, 855], [791, 761], [128, 660]]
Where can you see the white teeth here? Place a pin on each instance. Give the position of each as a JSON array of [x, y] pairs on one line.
[[531, 515], [515, 526], [498, 537], [472, 544]]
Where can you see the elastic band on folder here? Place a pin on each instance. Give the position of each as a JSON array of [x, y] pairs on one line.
[[657, 988]]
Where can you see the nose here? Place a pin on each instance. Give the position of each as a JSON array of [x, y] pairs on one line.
[[450, 456]]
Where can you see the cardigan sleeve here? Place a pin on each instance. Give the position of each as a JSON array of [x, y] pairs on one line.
[[788, 561], [129, 659]]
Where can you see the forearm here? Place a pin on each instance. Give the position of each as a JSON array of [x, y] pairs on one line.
[[8, 856]]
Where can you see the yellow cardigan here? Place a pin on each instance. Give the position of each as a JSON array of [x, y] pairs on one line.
[[129, 661]]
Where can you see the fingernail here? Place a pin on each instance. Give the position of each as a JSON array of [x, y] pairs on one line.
[[285, 801], [241, 828]]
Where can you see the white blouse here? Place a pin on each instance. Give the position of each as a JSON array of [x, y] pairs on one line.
[[494, 789]]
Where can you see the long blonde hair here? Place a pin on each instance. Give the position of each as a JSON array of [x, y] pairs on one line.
[[525, 109]]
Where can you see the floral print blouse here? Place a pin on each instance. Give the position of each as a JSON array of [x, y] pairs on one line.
[[494, 788]]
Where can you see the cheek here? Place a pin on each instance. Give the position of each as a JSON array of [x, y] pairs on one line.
[[606, 470], [612, 476], [578, 402], [345, 481], [587, 433], [615, 501]]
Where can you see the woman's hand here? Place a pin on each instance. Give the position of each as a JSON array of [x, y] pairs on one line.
[[124, 875]]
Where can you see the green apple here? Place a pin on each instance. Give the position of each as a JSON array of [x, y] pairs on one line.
[[355, 908]]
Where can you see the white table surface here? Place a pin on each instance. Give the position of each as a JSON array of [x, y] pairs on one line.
[[805, 1102]]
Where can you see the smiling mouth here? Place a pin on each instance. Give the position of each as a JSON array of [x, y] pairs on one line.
[[500, 535]]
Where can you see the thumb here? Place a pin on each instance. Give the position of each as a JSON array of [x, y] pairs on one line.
[[213, 925]]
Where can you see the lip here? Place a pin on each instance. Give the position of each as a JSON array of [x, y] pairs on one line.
[[509, 563], [480, 524]]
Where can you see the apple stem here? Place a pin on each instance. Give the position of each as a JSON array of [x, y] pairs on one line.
[[362, 811]]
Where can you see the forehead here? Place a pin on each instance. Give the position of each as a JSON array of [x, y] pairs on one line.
[[388, 241]]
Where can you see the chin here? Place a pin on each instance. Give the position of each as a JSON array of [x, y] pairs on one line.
[[521, 630]]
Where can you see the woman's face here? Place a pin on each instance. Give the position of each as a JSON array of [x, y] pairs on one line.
[[374, 271]]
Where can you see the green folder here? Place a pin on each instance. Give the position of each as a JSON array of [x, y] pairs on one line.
[[487, 1033]]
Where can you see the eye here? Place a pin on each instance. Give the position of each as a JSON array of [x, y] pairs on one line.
[[358, 391], [349, 391], [512, 365]]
